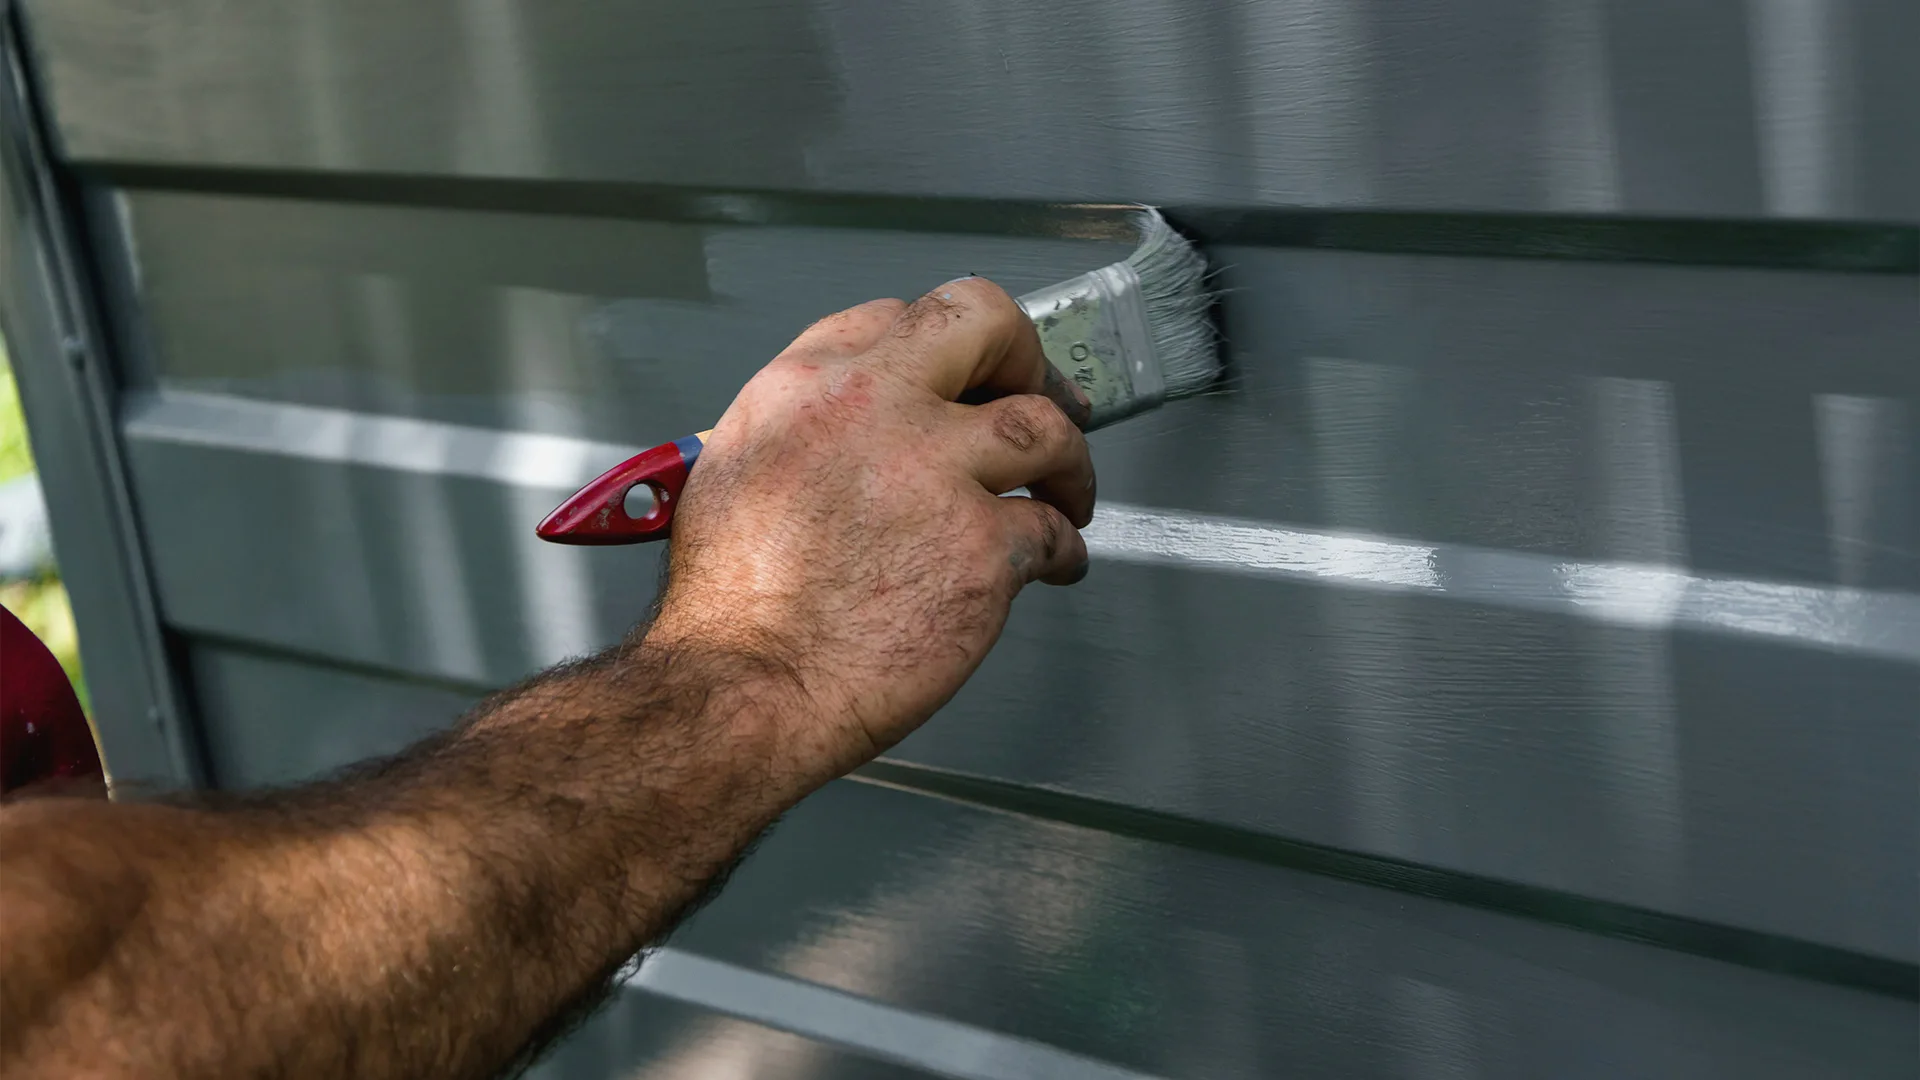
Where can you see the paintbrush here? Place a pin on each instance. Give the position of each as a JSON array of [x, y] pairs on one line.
[[1133, 335]]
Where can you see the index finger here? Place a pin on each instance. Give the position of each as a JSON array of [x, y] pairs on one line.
[[969, 340]]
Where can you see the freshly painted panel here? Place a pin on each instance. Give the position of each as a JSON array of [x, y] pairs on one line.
[[1642, 581], [1769, 108], [1180, 964], [1631, 762], [1750, 422], [1148, 957], [446, 315]]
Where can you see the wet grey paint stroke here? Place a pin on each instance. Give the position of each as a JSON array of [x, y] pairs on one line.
[[1883, 624], [1878, 623]]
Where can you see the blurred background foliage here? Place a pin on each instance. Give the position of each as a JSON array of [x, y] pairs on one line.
[[40, 600]]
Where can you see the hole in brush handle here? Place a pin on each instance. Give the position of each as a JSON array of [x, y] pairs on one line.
[[631, 503]]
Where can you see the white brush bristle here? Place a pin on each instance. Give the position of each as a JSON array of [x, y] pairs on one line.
[[1173, 285]]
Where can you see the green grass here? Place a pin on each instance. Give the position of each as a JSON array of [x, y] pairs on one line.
[[16, 457], [42, 602]]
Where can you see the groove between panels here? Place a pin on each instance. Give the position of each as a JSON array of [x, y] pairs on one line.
[[1746, 948], [1837, 246]]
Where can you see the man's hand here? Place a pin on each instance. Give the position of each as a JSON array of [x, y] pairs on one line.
[[842, 523], [841, 563]]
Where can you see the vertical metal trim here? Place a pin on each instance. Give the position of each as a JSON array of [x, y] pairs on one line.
[[60, 353]]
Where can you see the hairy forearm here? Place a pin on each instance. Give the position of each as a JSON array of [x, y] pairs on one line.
[[843, 558], [423, 917]]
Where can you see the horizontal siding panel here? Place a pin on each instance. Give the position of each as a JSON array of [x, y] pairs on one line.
[[1634, 762], [1720, 110], [1756, 423], [1586, 576], [345, 716], [1550, 572], [1155, 958], [435, 576], [1182, 964], [443, 314]]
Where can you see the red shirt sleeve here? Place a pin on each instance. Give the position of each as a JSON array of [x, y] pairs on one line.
[[43, 733]]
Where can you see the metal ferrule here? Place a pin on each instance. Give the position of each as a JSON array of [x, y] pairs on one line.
[[1094, 329]]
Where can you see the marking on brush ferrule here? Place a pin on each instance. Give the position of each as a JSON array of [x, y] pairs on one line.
[[1094, 329]]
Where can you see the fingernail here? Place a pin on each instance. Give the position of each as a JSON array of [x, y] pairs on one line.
[[1079, 395]]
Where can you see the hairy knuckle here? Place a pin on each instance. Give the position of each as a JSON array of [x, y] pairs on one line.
[[1026, 422], [928, 315], [961, 298]]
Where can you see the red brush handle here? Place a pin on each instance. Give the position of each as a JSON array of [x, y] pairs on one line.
[[632, 502]]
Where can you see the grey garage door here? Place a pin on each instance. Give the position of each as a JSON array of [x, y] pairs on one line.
[[1514, 670]]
